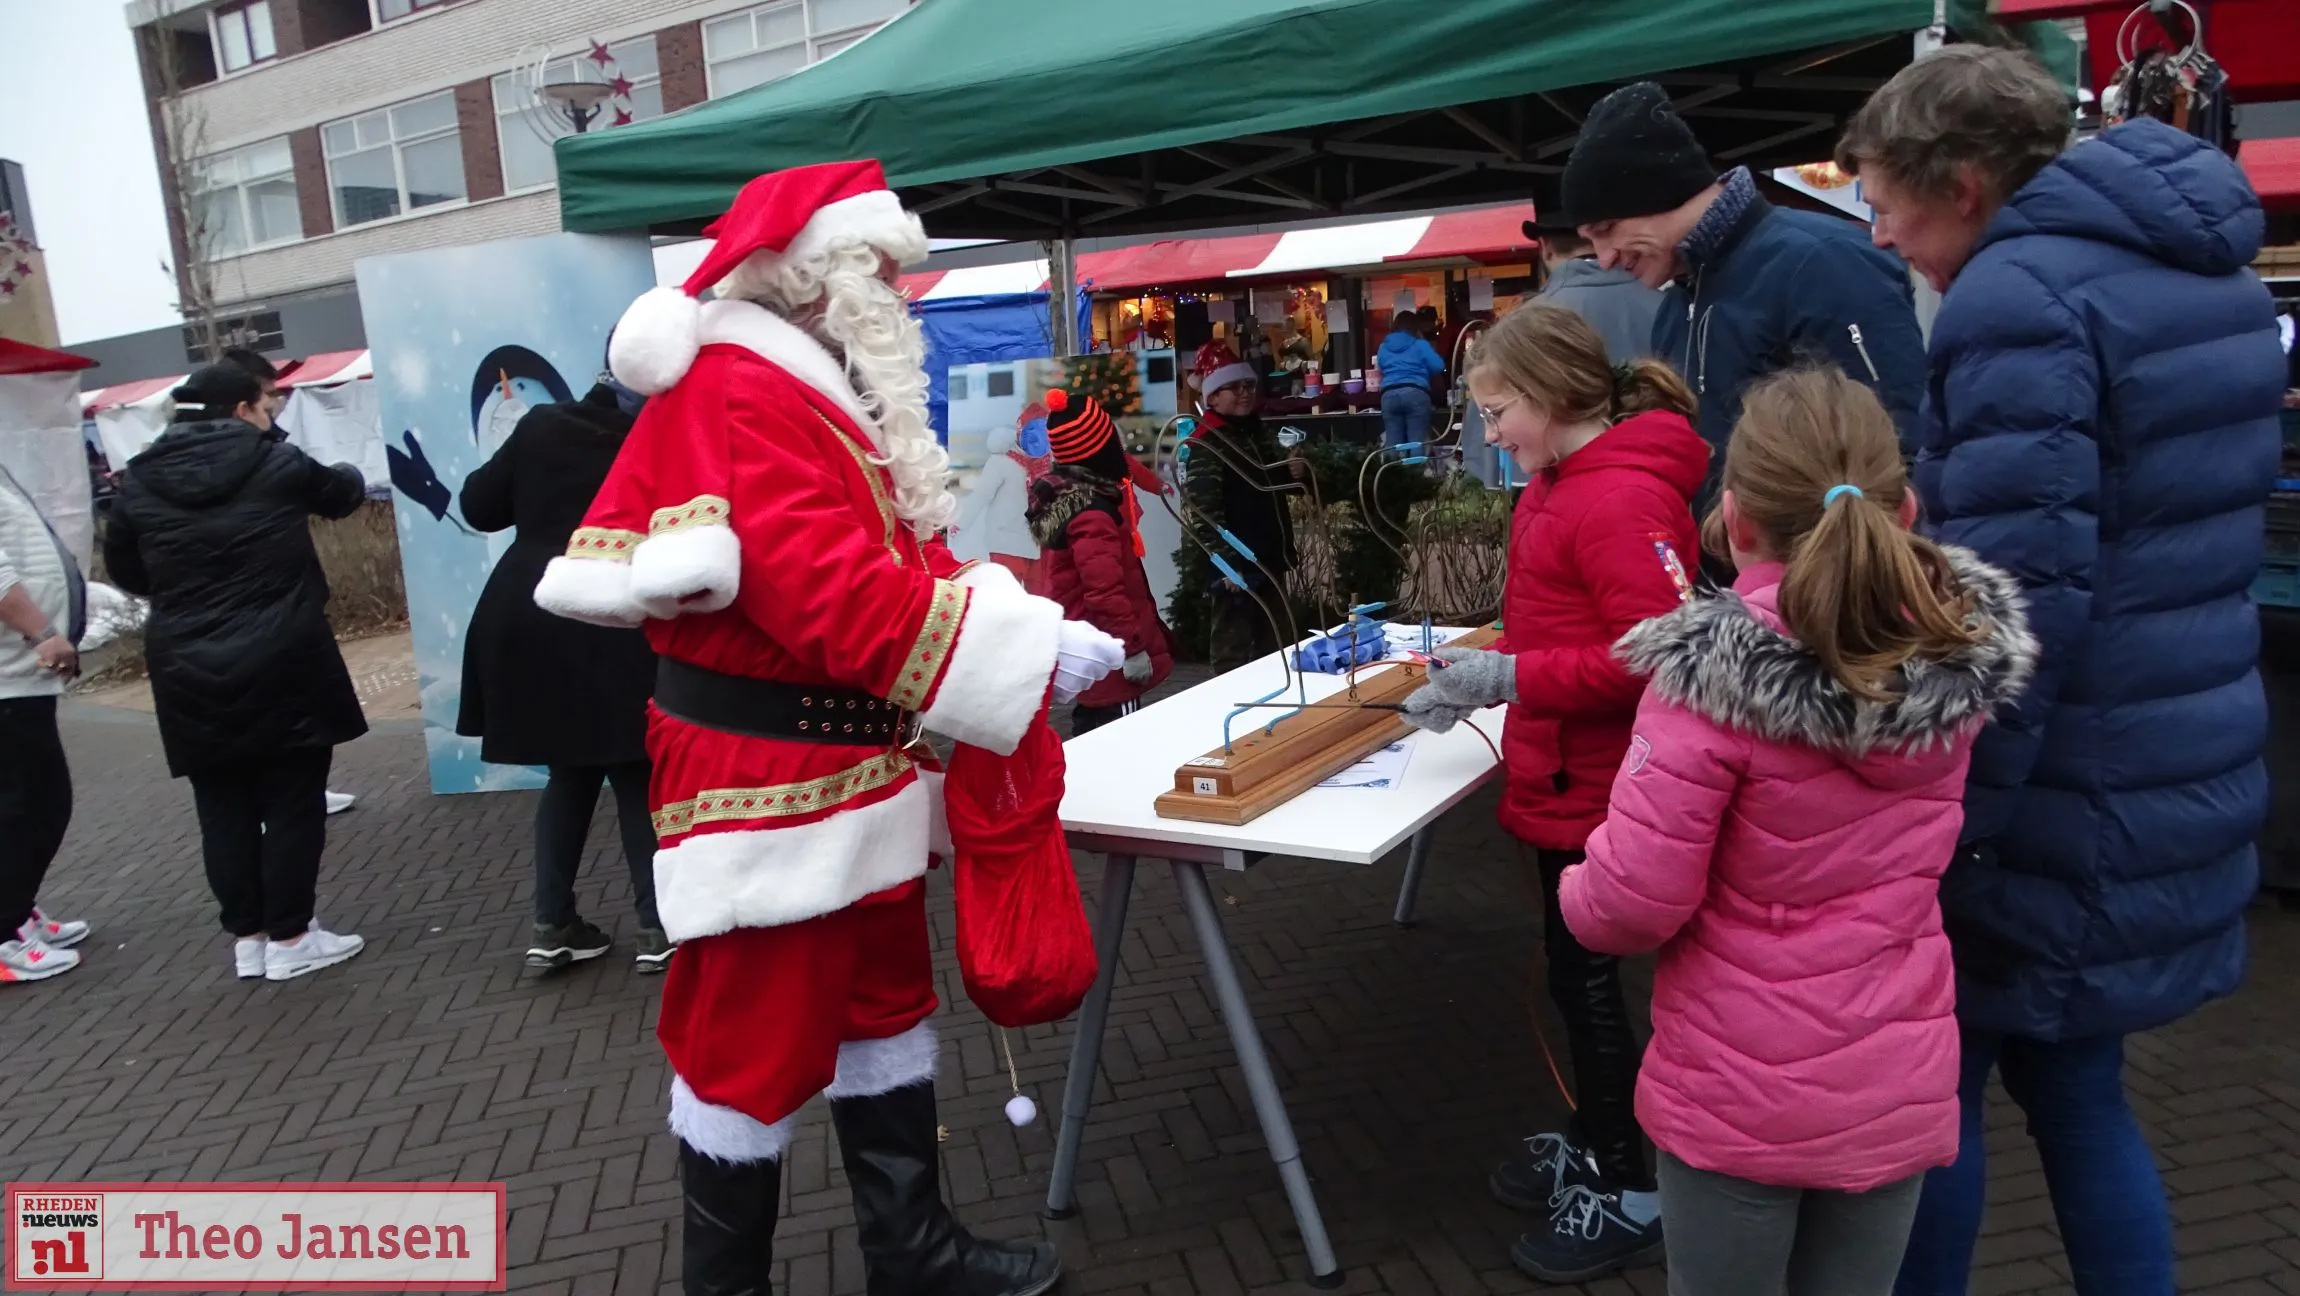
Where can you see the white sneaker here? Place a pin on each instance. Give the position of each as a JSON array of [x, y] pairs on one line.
[[319, 948], [51, 933], [248, 957], [338, 802], [29, 960]]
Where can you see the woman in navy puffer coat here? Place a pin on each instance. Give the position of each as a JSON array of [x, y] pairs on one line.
[[2102, 422]]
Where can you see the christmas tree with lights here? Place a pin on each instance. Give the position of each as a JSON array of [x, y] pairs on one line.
[[1108, 377]]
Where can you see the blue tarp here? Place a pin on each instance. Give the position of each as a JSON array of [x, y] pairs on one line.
[[983, 330]]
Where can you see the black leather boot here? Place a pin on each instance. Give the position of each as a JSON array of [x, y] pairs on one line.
[[729, 1245], [911, 1244]]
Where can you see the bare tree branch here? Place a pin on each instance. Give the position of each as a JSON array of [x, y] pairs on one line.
[[182, 139]]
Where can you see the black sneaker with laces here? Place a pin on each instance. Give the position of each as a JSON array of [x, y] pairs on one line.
[[558, 944], [1588, 1236], [1534, 1180]]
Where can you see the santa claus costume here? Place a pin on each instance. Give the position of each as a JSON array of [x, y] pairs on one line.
[[771, 522]]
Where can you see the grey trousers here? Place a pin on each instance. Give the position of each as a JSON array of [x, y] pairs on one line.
[[1732, 1237]]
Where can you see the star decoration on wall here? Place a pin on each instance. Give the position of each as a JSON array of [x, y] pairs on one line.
[[599, 54]]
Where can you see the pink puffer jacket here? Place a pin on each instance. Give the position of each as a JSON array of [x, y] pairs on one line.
[[1781, 843]]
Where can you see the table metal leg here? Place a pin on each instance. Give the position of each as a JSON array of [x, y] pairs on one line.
[[1410, 890], [1086, 1046], [1254, 1063]]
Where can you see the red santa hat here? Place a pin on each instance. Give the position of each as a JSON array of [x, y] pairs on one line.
[[1217, 366], [792, 214]]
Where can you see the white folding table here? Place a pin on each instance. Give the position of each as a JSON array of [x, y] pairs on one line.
[[1117, 771]]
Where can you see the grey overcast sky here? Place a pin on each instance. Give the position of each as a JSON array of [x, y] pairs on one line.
[[74, 118]]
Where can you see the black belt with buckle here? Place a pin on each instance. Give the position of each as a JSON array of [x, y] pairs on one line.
[[756, 708]]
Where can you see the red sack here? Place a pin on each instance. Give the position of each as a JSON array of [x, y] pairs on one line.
[[1024, 949]]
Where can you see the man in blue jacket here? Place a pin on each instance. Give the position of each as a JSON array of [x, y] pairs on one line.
[[1750, 288], [2102, 423]]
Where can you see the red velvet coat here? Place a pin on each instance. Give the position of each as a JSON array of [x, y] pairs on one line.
[[1087, 564], [1598, 544], [745, 525]]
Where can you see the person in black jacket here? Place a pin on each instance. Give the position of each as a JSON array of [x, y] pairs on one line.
[[212, 525], [1230, 486], [544, 690]]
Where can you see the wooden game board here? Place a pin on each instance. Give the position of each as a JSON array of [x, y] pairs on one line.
[[1270, 765]]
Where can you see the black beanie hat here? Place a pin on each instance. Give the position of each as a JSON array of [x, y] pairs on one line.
[[1635, 157]]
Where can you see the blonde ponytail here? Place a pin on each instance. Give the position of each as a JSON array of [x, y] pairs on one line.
[[1815, 466]]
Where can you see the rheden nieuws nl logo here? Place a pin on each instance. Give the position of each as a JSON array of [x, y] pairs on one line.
[[255, 1237]]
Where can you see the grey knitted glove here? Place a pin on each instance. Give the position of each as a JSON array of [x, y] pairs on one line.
[[1136, 668], [1472, 680]]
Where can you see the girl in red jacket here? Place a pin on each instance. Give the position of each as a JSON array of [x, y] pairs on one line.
[[1600, 542], [1088, 526]]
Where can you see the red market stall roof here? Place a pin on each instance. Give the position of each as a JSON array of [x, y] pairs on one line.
[[127, 393], [1489, 234], [329, 367], [2273, 167], [24, 358]]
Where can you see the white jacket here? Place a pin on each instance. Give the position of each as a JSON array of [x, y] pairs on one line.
[[31, 555]]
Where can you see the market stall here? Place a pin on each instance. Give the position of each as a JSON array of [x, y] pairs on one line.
[[40, 442], [332, 413], [129, 416]]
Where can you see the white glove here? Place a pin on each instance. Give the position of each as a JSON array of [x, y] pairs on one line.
[[1083, 655]]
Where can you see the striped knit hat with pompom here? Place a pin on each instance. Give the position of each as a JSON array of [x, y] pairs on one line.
[[1081, 432]]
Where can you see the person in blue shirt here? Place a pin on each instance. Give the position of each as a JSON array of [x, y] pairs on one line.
[[1410, 368]]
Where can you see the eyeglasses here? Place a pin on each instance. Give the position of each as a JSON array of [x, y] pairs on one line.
[[1492, 413]]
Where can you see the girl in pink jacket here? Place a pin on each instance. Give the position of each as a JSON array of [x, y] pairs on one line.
[[1778, 831]]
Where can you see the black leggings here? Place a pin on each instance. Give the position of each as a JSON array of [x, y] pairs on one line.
[[563, 822], [35, 804], [1586, 987]]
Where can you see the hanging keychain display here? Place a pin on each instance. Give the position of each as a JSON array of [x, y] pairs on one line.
[[2182, 86]]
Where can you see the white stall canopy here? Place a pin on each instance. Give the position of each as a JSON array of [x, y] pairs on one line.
[[40, 443]]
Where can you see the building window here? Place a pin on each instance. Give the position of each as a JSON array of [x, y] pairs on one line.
[[386, 10], [525, 124], [244, 35], [765, 44], [244, 199], [394, 160]]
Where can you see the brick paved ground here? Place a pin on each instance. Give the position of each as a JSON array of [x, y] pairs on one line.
[[1404, 1054]]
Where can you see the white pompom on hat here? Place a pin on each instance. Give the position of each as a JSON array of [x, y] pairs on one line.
[[789, 214]]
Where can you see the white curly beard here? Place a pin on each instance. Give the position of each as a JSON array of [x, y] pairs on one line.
[[839, 299]]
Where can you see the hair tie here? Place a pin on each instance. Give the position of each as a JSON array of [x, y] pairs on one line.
[[1624, 374], [1844, 489]]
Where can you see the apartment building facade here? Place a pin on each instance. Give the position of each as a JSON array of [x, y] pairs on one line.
[[296, 137]]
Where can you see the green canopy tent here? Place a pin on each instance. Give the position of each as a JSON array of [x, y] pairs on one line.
[[1014, 119]]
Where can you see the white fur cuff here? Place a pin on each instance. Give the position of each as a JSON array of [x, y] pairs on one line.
[[693, 569], [709, 883], [870, 1067], [722, 1133], [595, 590], [996, 681]]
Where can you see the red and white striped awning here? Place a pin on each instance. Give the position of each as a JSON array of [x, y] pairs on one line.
[[328, 368], [1490, 234], [143, 391]]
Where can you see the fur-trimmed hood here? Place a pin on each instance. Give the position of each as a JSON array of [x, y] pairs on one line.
[[1061, 495], [1726, 658]]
